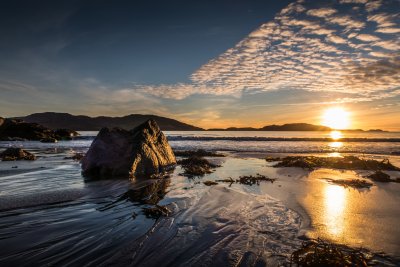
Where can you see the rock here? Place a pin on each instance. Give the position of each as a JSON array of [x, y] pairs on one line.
[[18, 130], [210, 183], [49, 140], [379, 176], [15, 153], [156, 212], [65, 134], [142, 151]]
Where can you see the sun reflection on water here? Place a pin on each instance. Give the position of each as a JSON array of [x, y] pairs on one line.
[[335, 205], [336, 135], [336, 144]]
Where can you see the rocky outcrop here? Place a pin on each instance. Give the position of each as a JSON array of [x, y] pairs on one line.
[[142, 151], [65, 134], [15, 153], [13, 129]]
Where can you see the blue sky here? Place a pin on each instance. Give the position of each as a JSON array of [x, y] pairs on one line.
[[209, 63]]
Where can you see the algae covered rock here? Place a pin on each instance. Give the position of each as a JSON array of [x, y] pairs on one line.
[[15, 153], [142, 151]]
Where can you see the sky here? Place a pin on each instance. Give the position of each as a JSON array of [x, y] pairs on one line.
[[208, 63]]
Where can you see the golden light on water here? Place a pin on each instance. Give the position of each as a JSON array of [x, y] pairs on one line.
[[335, 135], [335, 204], [336, 118]]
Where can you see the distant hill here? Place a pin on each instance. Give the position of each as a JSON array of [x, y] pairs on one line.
[[296, 127], [55, 120], [284, 127]]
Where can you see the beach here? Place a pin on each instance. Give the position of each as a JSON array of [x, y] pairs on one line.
[[51, 215]]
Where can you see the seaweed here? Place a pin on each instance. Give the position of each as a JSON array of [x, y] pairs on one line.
[[156, 212], [197, 153], [321, 253], [196, 166], [209, 183], [354, 183], [248, 179], [381, 177], [346, 162]]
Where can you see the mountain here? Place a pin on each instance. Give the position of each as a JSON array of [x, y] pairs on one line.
[[55, 120], [284, 127], [296, 127]]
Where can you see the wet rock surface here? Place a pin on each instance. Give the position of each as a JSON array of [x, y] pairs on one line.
[[15, 153], [142, 151]]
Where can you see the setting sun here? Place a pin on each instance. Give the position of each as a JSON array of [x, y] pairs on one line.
[[336, 118]]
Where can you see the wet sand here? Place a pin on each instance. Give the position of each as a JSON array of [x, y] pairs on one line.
[[53, 216]]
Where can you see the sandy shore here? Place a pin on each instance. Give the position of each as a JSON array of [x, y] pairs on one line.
[[211, 225]]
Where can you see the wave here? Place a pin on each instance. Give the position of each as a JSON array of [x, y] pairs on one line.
[[281, 139]]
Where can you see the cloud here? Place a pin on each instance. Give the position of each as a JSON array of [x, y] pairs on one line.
[[336, 39], [367, 37], [346, 21], [329, 49], [353, 1], [383, 19], [321, 12], [388, 30], [373, 5]]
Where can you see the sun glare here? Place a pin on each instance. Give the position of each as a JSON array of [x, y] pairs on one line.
[[336, 118]]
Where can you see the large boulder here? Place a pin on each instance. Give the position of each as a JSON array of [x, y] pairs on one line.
[[142, 151], [16, 153]]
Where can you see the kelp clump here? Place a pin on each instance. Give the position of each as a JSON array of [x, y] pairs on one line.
[[346, 162], [321, 253], [210, 183], [197, 153], [380, 176], [156, 212], [248, 179], [196, 166], [354, 183]]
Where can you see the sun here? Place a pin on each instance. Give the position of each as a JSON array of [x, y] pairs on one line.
[[336, 118]]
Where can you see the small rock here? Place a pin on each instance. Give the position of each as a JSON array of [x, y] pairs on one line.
[[209, 183], [49, 140], [379, 176], [156, 212], [15, 153]]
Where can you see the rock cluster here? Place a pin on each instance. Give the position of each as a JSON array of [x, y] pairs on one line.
[[15, 130], [142, 151], [15, 153]]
